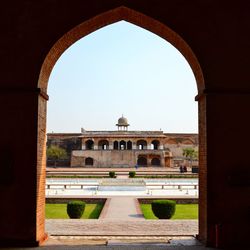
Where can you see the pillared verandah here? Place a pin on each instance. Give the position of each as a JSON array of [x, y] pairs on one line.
[[123, 148]]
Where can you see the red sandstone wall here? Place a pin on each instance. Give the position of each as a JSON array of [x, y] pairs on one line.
[[217, 32]]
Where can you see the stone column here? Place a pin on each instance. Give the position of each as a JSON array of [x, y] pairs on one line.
[[111, 145], [83, 145], [148, 162], [163, 161]]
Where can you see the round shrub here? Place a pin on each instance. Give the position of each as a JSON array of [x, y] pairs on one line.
[[131, 174], [163, 209], [112, 174], [75, 209]]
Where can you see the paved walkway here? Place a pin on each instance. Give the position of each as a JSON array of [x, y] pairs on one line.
[[125, 228], [122, 226], [122, 208], [121, 216], [96, 243]]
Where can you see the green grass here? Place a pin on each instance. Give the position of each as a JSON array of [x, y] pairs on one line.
[[59, 211], [182, 212]]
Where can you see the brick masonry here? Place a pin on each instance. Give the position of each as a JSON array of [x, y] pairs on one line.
[[33, 38]]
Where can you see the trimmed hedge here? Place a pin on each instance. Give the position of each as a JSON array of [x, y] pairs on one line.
[[75, 209], [131, 174], [112, 174], [163, 209]]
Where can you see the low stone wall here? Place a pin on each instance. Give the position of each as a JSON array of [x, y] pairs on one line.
[[59, 163], [178, 200], [52, 200]]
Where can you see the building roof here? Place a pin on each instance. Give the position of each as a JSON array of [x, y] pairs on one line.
[[122, 134]]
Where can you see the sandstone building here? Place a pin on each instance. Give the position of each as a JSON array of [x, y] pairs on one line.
[[123, 148]]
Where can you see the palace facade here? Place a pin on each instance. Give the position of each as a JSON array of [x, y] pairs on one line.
[[123, 148]]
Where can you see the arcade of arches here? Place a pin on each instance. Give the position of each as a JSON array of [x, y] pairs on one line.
[[124, 148], [210, 34]]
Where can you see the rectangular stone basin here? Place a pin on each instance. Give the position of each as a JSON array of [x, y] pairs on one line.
[[122, 185]]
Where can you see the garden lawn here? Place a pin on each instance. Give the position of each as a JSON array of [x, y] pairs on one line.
[[59, 211], [182, 212]]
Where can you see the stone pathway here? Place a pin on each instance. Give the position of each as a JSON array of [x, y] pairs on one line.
[[74, 243], [104, 227], [121, 216], [122, 208]]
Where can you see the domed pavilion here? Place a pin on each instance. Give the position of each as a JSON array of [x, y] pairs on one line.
[[122, 124]]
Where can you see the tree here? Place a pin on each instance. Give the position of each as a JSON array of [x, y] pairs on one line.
[[56, 153], [191, 154]]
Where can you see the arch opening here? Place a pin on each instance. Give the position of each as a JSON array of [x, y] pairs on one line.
[[121, 13], [142, 161], [116, 145], [129, 145], [89, 161], [89, 144], [122, 145], [141, 144], [156, 161], [155, 144], [103, 145]]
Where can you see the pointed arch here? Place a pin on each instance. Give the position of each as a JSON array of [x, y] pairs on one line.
[[113, 16], [156, 27]]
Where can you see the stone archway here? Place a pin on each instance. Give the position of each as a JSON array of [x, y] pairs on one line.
[[155, 144], [142, 161], [155, 161], [103, 145], [123, 145], [116, 145], [141, 144], [85, 28], [89, 144], [89, 161]]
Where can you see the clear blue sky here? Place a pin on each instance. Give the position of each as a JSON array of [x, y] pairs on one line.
[[122, 69]]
